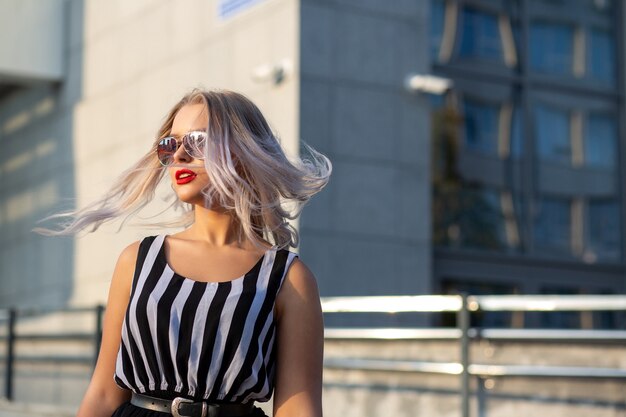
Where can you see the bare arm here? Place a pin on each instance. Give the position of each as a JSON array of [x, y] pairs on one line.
[[103, 396], [300, 331]]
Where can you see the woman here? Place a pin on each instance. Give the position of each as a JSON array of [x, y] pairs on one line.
[[207, 321]]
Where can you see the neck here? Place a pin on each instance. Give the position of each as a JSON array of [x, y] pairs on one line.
[[216, 228]]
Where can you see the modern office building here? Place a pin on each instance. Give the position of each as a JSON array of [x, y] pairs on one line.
[[510, 181]]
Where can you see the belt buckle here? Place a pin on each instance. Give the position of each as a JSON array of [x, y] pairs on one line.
[[176, 402]]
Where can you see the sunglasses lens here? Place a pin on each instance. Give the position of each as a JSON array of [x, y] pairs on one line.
[[165, 149], [194, 143]]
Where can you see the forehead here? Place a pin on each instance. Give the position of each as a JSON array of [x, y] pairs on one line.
[[190, 117]]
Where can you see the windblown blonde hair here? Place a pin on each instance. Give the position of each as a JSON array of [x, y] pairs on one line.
[[248, 175]]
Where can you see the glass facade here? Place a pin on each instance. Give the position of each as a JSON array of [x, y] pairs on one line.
[[526, 147], [483, 197]]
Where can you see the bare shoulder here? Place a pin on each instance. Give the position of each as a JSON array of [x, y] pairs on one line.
[[299, 275], [129, 254], [299, 286], [125, 267]]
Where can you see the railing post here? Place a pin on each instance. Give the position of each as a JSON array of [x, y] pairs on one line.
[[481, 397], [97, 337], [463, 324], [10, 360]]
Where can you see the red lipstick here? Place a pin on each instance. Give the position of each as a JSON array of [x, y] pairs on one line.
[[183, 176]]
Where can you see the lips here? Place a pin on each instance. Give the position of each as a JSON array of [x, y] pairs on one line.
[[183, 176]]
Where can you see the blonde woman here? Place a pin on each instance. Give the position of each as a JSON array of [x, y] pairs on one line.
[[206, 321]]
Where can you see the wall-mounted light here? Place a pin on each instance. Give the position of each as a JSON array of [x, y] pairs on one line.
[[430, 84], [274, 73]]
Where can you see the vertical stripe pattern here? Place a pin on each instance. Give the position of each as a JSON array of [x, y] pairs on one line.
[[201, 340]]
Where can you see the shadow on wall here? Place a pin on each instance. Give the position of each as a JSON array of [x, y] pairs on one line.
[[38, 179]]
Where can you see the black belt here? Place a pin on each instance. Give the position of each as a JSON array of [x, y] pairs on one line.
[[183, 407]]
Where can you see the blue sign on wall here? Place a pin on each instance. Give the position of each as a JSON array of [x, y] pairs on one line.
[[229, 8]]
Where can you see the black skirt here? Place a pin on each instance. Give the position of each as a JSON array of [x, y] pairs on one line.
[[129, 410]]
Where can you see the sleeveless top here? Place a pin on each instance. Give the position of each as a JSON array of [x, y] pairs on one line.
[[201, 340]]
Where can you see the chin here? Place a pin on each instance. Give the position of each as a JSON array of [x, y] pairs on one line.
[[195, 200]]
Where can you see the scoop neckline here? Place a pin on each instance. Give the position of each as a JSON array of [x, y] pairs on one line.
[[163, 259]]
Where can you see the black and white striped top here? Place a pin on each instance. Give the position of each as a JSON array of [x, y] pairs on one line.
[[200, 340]]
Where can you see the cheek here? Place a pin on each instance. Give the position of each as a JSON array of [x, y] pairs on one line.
[[201, 183]]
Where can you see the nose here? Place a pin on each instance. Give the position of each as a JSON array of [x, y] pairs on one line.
[[181, 155]]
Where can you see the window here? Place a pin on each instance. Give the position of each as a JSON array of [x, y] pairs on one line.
[[552, 225], [604, 236], [551, 48], [601, 56], [469, 150], [480, 37], [600, 141], [481, 127], [481, 218], [552, 134], [472, 34], [477, 217]]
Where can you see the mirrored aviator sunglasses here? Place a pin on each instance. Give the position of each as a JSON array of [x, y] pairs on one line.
[[193, 143]]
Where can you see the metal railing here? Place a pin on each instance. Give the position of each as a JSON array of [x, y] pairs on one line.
[[11, 337], [463, 306]]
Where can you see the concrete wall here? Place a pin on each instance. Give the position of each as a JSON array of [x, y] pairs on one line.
[[126, 64], [31, 40], [369, 231]]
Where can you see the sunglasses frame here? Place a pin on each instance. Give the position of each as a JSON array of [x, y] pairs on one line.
[[185, 141]]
